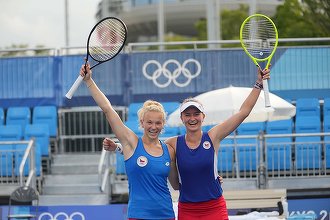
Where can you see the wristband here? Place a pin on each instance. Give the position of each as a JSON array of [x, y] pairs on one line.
[[258, 85], [119, 148]]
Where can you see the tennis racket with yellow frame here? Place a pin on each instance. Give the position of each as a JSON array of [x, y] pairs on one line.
[[259, 39]]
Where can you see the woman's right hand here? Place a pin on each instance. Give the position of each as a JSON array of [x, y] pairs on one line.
[[109, 144], [85, 71]]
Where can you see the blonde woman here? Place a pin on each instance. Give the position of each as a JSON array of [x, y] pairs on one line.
[[149, 162]]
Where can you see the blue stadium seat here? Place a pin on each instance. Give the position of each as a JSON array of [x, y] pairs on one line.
[[251, 128], [308, 148], [2, 116], [206, 128], [308, 153], [120, 164], [18, 116], [307, 107], [326, 123], [247, 147], [10, 133], [182, 130], [6, 160], [327, 150], [134, 126], [170, 132], [278, 153], [326, 128], [279, 127], [170, 107], [46, 115], [41, 134], [133, 109], [247, 155], [278, 150], [308, 124], [326, 107], [226, 155]]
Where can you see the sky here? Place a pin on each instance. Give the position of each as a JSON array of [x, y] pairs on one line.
[[42, 22]]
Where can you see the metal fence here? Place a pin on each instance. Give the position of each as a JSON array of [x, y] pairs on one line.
[[82, 129], [254, 162]]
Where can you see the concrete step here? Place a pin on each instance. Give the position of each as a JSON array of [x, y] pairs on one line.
[[70, 179], [73, 181], [81, 199], [74, 169], [71, 189], [74, 159]]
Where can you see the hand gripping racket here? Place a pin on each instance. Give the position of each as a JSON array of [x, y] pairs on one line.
[[259, 39], [105, 41]]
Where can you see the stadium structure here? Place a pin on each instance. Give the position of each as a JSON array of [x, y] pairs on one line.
[[143, 19]]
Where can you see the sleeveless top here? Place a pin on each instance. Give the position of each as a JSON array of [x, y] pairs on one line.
[[149, 195], [198, 174]]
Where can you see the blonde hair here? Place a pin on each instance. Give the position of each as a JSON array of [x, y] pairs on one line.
[[151, 105]]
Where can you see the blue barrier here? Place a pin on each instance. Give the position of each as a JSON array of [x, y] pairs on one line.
[[167, 75]]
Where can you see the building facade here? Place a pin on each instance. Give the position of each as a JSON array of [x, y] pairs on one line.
[[144, 17]]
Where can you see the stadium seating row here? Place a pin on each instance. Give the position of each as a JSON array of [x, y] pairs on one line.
[[22, 116], [17, 125], [305, 151]]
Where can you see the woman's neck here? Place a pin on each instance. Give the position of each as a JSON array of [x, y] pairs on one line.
[[193, 138]]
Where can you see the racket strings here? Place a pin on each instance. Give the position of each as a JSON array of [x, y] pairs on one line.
[[107, 40], [259, 37]]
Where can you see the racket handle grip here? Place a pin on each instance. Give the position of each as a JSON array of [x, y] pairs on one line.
[[266, 92], [74, 87]]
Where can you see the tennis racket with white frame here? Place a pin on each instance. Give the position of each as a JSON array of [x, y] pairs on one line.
[[105, 41], [259, 39]]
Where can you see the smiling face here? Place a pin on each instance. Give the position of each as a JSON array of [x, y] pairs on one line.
[[152, 118], [152, 124], [192, 118]]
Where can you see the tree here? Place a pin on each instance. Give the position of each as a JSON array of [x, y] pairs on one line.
[[318, 11], [307, 19], [230, 22], [14, 50]]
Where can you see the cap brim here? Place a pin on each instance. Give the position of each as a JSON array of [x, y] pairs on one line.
[[186, 105]]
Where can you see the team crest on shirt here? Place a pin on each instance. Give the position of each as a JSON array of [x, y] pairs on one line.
[[206, 145], [142, 161], [167, 164]]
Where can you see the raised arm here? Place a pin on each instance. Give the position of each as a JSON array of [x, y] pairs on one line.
[[126, 136], [222, 130]]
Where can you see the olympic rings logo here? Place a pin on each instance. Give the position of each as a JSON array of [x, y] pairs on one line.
[[162, 70], [77, 215]]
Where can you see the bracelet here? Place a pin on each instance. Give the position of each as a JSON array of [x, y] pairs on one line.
[[258, 85], [119, 148], [89, 85]]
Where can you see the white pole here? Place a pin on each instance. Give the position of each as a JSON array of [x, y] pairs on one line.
[[161, 23], [213, 27], [66, 8], [253, 7]]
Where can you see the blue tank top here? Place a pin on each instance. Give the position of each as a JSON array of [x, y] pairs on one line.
[[149, 195], [198, 174]]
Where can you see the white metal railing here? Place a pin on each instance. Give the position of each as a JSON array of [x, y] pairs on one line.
[[131, 47], [263, 174], [28, 159], [139, 46], [105, 168]]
